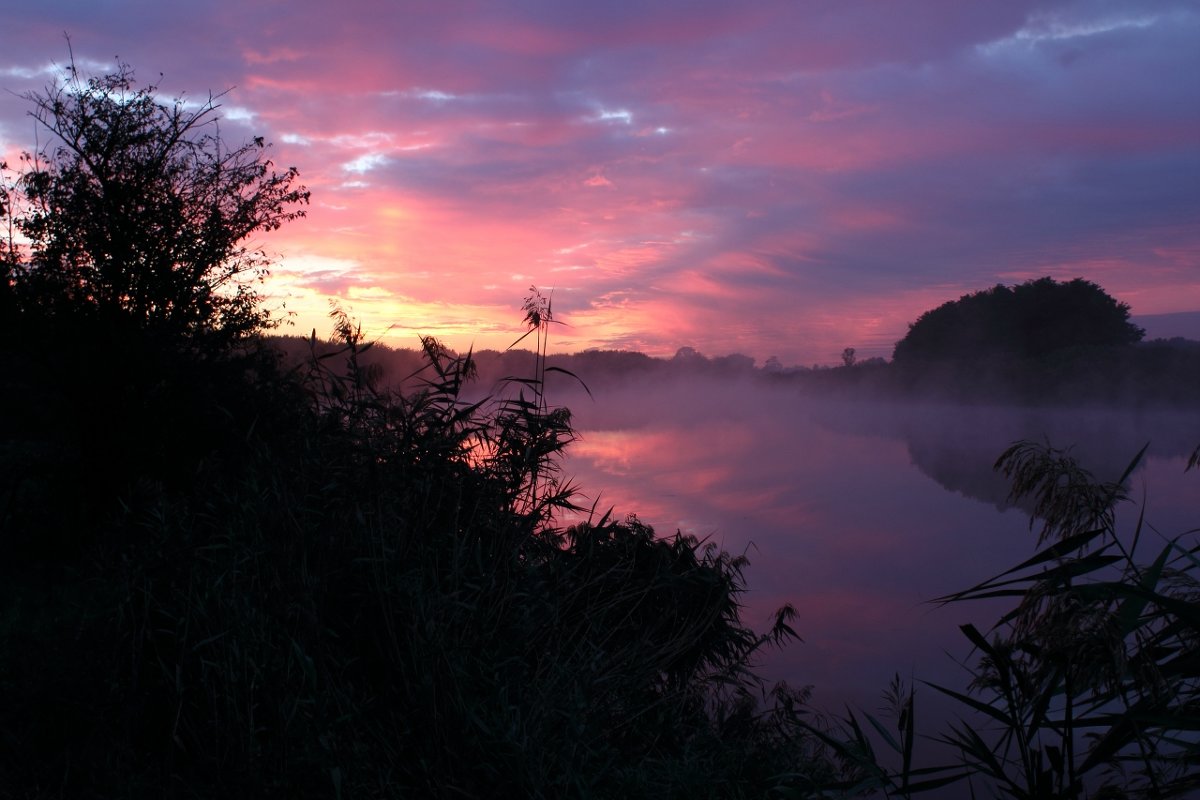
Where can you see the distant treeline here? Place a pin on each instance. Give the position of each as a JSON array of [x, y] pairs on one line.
[[1042, 342], [1158, 372]]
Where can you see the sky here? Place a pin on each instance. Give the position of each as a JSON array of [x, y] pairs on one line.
[[771, 178]]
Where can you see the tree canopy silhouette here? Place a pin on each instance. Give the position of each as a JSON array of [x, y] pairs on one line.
[[1027, 320], [128, 257], [137, 209]]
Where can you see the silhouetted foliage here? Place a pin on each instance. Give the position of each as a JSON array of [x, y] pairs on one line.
[[129, 311], [1089, 686], [222, 578], [136, 208], [1028, 320]]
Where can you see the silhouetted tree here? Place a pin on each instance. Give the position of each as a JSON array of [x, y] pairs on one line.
[[137, 209], [1027, 320], [125, 256], [849, 357]]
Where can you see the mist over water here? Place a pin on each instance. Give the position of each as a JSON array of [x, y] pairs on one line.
[[858, 513]]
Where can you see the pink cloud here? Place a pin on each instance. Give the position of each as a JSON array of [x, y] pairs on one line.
[[774, 179]]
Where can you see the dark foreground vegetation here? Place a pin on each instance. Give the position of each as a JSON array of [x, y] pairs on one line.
[[224, 576]]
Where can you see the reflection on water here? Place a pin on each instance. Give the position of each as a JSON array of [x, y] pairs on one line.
[[857, 514]]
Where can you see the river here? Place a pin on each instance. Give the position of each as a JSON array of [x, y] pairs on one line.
[[859, 513]]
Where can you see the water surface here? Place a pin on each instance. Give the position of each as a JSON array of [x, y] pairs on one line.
[[858, 514]]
